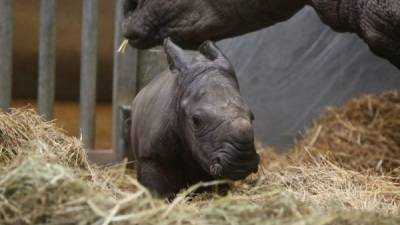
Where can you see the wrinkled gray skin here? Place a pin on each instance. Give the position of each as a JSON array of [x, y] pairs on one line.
[[190, 124], [190, 22]]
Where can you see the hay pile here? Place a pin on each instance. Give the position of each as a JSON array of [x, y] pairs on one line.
[[22, 132], [364, 135], [337, 175]]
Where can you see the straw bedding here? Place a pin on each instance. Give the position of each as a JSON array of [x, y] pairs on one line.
[[344, 171], [364, 135]]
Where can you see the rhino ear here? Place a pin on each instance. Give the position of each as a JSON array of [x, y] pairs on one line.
[[175, 55], [213, 53]]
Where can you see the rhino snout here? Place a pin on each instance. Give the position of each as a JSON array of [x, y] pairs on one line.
[[138, 31], [234, 164]]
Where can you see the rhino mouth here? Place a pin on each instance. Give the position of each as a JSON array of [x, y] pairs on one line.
[[138, 36], [143, 43], [138, 33], [144, 35], [234, 164]]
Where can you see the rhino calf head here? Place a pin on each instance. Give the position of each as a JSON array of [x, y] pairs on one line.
[[216, 123]]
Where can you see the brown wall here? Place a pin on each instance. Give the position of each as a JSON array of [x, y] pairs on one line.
[[69, 13]]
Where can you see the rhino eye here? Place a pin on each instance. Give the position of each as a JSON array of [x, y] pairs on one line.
[[197, 121]]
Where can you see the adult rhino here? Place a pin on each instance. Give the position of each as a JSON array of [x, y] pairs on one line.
[[190, 22]]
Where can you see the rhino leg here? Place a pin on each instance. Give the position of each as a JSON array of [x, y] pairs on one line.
[[163, 181]]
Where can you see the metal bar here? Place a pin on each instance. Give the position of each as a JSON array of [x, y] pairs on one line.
[[124, 84], [88, 72], [47, 50], [5, 54]]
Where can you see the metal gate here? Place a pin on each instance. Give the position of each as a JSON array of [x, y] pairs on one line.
[[130, 70]]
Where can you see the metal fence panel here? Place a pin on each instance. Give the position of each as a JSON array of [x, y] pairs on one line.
[[5, 53], [47, 49], [88, 72]]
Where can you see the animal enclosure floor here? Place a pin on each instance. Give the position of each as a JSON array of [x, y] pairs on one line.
[[67, 117]]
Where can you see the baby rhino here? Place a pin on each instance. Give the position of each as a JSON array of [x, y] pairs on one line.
[[190, 124]]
